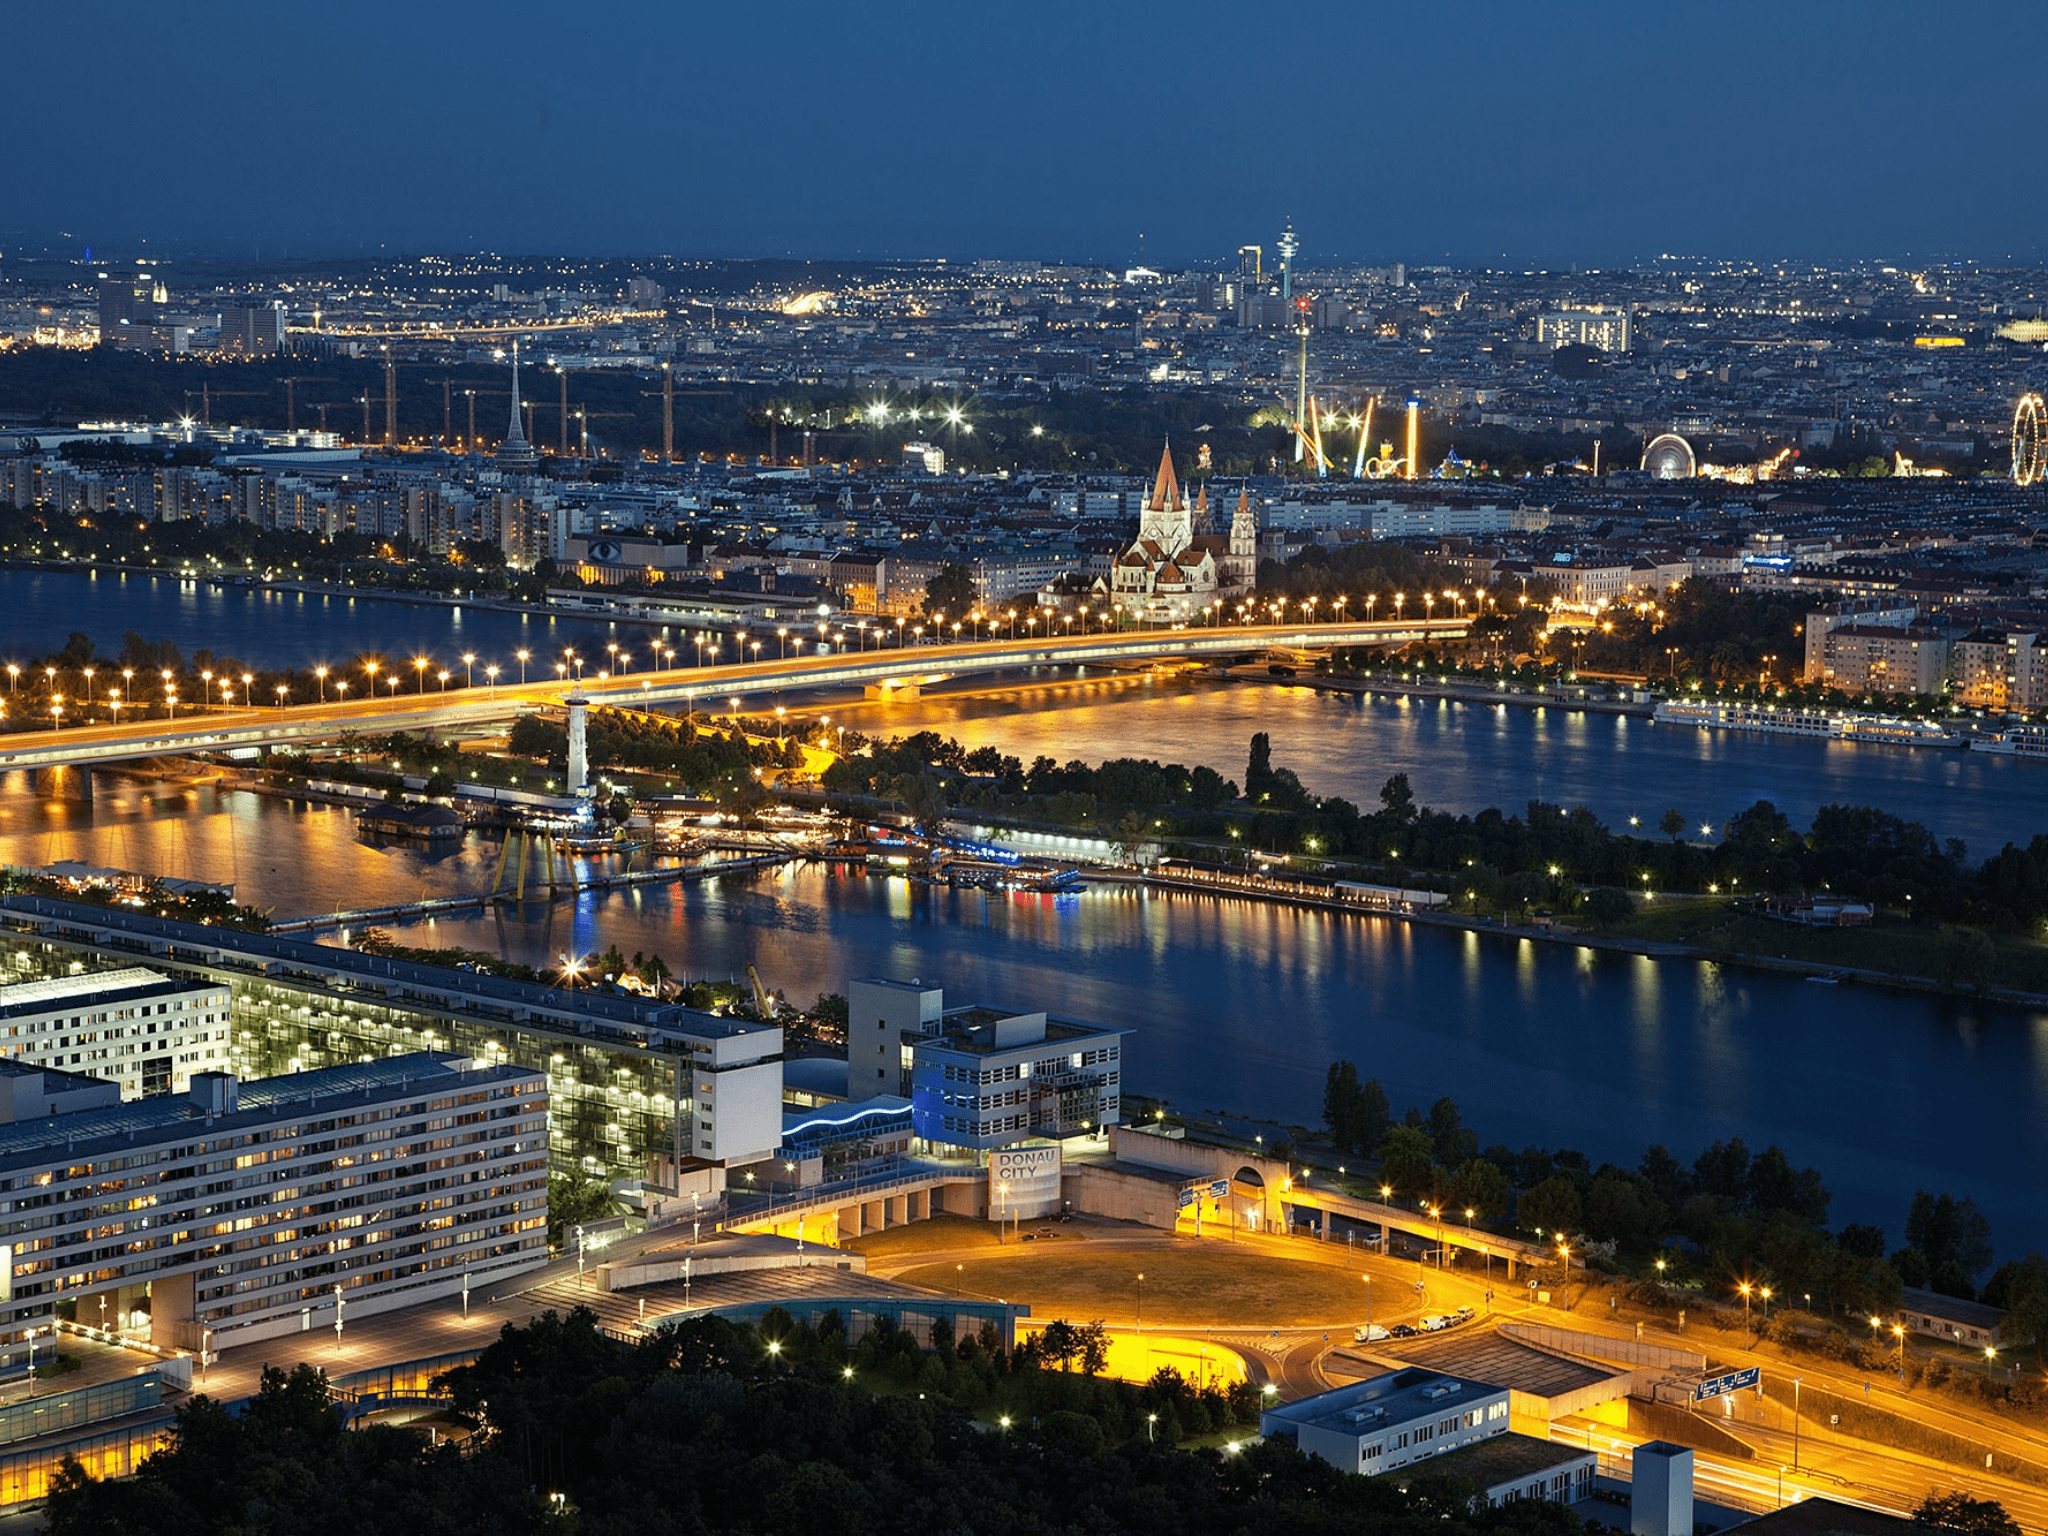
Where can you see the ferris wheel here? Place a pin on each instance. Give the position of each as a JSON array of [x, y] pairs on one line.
[[2029, 442]]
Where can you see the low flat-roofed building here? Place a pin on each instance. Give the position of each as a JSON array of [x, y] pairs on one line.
[[1392, 1421], [242, 1211], [1967, 1324], [1541, 1384], [1507, 1468], [135, 1027], [1830, 1517]]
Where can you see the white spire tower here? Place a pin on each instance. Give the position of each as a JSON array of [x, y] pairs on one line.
[[516, 452]]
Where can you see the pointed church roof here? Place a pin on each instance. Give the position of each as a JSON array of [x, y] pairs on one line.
[[1165, 485], [1202, 499]]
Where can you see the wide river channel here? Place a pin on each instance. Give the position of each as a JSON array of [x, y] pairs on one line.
[[1234, 1006]]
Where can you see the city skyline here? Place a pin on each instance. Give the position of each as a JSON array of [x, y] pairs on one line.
[[1477, 135]]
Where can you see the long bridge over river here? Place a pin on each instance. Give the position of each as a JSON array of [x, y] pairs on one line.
[[732, 686]]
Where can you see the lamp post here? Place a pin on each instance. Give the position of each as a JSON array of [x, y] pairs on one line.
[[1368, 1307], [524, 658], [321, 674], [1749, 1337], [1141, 1301], [337, 1319]]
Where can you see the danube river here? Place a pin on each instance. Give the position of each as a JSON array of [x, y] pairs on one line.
[[1236, 1006], [1466, 757], [39, 610], [1460, 757], [1240, 1006]]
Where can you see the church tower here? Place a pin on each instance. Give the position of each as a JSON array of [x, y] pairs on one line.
[[1168, 521], [1241, 565]]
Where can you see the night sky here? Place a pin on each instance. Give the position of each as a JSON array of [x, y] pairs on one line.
[[1539, 132]]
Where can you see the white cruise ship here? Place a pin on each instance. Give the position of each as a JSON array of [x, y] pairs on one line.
[[1899, 733], [1717, 715], [2018, 741], [1771, 720]]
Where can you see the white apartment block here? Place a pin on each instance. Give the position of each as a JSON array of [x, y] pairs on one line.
[[134, 1027], [242, 1212]]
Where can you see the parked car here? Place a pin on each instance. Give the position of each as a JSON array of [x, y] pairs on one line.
[[1436, 1323], [1402, 1331], [1464, 1315], [1369, 1333]]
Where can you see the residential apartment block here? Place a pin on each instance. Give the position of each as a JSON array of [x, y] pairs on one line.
[[136, 1028], [242, 1211]]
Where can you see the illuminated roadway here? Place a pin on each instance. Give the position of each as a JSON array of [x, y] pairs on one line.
[[716, 686]]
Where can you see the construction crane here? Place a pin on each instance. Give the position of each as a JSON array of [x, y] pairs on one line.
[[583, 419], [291, 403], [668, 393], [207, 393]]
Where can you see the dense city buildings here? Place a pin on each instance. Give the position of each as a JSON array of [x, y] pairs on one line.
[[1839, 434], [238, 1210]]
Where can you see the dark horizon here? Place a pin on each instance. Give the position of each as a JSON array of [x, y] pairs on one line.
[[1597, 135]]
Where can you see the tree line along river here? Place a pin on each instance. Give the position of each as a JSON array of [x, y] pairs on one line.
[[1238, 1006]]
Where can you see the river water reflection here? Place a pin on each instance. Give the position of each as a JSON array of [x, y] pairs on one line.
[[1241, 1006], [1237, 1006]]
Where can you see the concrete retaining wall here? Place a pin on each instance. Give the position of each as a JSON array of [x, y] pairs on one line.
[[1099, 1189], [622, 1277], [1599, 1346]]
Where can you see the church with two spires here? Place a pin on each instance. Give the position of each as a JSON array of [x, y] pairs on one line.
[[1170, 573]]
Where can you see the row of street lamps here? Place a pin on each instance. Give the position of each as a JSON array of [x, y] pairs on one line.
[[983, 625]]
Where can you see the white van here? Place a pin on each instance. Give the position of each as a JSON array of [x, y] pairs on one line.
[[1371, 1333], [1435, 1324]]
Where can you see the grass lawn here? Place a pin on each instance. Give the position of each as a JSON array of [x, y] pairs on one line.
[[1186, 1286], [1889, 944]]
